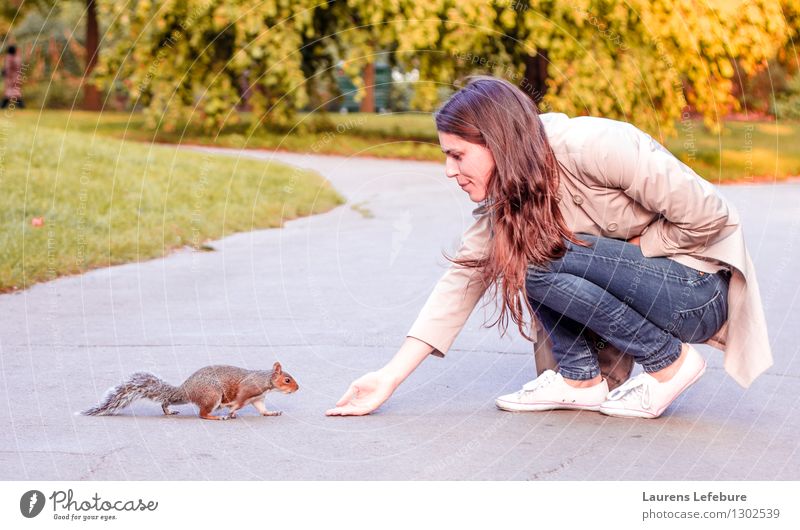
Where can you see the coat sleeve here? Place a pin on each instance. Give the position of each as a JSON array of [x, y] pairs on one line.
[[455, 295], [691, 214]]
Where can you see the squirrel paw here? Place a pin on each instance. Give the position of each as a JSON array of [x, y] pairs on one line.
[[231, 416]]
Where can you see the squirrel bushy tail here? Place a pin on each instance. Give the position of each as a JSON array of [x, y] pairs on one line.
[[137, 386]]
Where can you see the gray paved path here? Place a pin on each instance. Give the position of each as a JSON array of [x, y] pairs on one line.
[[331, 296]]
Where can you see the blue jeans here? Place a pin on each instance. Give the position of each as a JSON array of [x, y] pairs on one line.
[[645, 307]]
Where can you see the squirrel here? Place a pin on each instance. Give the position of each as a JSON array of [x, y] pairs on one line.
[[209, 388]]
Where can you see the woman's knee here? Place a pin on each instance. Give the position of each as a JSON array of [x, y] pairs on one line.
[[536, 277]]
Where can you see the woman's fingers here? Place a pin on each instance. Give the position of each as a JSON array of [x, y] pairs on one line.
[[362, 397], [348, 395], [348, 410]]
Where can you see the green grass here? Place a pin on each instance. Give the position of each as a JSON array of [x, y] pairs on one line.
[[105, 201], [743, 151], [409, 136]]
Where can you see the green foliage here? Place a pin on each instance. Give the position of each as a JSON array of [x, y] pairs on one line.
[[756, 93], [53, 93], [788, 51], [50, 38], [787, 105], [639, 60], [644, 61], [12, 11], [205, 56]]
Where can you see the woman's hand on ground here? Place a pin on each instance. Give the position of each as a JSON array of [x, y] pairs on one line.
[[365, 394]]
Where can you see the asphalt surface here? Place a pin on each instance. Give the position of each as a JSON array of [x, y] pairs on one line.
[[331, 297]]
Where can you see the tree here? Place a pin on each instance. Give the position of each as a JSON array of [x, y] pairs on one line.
[[648, 62], [788, 51], [14, 10], [91, 96], [195, 55], [645, 61]]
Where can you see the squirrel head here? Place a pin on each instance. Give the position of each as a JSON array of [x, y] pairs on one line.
[[283, 381]]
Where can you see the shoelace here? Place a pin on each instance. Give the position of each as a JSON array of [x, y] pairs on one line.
[[636, 386], [543, 380]]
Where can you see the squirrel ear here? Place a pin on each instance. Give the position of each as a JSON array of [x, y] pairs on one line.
[[277, 368]]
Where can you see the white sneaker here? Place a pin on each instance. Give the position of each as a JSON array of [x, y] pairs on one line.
[[549, 391], [645, 397]]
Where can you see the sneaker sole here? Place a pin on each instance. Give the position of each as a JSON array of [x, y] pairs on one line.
[[538, 407], [628, 413]]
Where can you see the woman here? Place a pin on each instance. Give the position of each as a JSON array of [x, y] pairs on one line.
[[596, 230], [12, 71]]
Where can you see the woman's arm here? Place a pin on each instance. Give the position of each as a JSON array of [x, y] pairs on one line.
[[692, 214], [455, 295], [370, 391], [439, 322]]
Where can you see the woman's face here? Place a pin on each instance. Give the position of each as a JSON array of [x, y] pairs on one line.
[[470, 164]]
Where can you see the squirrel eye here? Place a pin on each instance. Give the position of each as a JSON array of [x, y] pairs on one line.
[[287, 380]]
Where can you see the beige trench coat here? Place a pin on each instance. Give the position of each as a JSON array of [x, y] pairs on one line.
[[617, 181]]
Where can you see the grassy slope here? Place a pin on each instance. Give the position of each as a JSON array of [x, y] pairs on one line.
[[106, 202]]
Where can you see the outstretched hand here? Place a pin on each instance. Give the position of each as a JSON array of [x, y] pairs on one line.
[[364, 395]]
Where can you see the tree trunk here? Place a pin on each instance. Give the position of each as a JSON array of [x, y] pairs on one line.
[[91, 96], [534, 83], [368, 103]]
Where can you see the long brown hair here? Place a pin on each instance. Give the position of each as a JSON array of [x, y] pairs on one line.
[[522, 191]]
